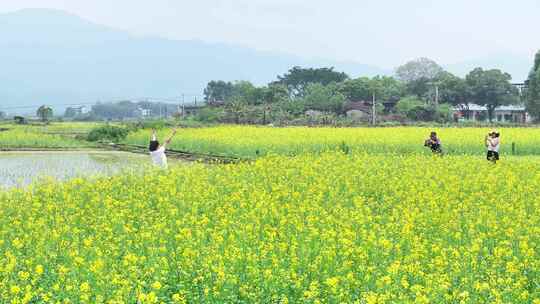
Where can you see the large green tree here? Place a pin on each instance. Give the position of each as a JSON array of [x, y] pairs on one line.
[[45, 113], [218, 91], [452, 89], [387, 88], [245, 92], [250, 94], [362, 89], [275, 93], [419, 75], [491, 88], [325, 98], [421, 68], [297, 79], [533, 91], [357, 89], [236, 108]]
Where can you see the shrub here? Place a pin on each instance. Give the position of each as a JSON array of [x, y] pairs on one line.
[[415, 109], [211, 115], [20, 120], [444, 113], [152, 124], [422, 113], [109, 133], [408, 104], [147, 124]]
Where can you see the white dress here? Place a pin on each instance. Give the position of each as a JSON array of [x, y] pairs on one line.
[[159, 158], [494, 144]]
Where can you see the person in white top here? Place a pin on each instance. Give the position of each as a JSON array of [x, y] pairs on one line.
[[493, 142], [157, 151]]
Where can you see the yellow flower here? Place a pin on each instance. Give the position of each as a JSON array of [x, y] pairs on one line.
[[14, 289], [85, 287], [39, 270], [156, 285], [17, 243], [23, 275], [369, 211], [177, 298], [332, 282]]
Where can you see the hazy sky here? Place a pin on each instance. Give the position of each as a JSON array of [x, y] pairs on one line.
[[382, 32]]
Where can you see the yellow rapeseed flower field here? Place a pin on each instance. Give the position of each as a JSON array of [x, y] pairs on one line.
[[251, 141], [317, 228], [52, 136]]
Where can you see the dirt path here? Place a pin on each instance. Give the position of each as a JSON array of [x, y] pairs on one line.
[[184, 155], [123, 148]]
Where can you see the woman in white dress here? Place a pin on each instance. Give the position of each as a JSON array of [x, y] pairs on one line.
[[157, 151]]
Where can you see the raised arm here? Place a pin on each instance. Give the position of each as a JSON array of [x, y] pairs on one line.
[[154, 135], [491, 142], [168, 141]]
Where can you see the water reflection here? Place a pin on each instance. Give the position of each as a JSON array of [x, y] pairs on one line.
[[23, 168]]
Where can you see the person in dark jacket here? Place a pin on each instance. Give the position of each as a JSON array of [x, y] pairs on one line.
[[434, 143]]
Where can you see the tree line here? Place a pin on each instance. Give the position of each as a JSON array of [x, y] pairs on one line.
[[532, 91], [122, 110], [420, 90], [107, 111]]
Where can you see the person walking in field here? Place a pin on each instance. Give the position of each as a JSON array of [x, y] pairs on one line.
[[434, 143], [157, 151], [493, 143]]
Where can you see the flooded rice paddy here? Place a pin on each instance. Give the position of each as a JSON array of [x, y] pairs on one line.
[[18, 169]]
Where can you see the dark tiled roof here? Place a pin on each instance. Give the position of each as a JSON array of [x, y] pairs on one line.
[[358, 105]]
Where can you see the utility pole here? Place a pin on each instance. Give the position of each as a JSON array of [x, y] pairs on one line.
[[436, 95], [264, 113], [183, 106], [373, 118]]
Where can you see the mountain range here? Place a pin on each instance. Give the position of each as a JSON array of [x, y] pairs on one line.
[[56, 58]]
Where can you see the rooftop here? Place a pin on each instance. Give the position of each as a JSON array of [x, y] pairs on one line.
[[475, 107]]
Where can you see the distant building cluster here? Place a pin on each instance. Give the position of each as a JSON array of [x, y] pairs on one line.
[[76, 111], [509, 113], [143, 113]]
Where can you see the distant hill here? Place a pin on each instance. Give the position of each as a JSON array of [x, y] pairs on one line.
[[52, 57]]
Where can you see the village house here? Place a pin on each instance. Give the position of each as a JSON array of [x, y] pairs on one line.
[[80, 110], [508, 113], [358, 110], [190, 109], [76, 111], [143, 113]]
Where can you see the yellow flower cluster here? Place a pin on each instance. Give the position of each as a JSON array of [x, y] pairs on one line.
[[52, 136], [327, 228], [250, 141]]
